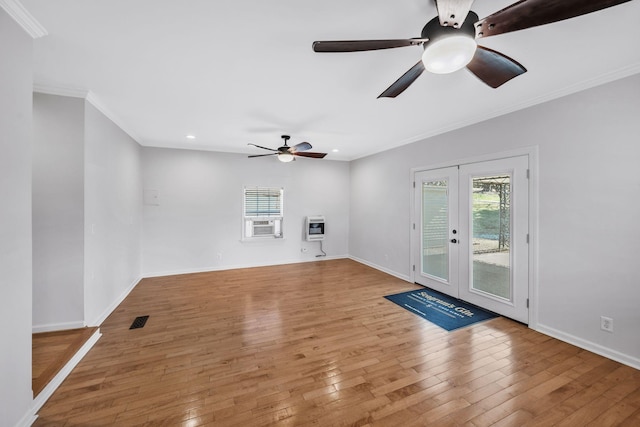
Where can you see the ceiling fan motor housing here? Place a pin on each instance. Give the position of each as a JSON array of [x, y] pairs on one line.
[[285, 147], [434, 31]]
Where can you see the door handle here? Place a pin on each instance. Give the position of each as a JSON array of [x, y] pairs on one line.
[[454, 241]]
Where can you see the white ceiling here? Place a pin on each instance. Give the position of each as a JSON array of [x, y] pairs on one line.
[[234, 72]]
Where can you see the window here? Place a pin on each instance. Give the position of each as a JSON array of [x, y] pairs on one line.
[[262, 212]]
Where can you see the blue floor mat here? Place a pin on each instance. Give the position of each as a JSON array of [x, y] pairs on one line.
[[447, 312]]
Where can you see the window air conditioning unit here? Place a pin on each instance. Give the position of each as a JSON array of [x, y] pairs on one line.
[[263, 228]]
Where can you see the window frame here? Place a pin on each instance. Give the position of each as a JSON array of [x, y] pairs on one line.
[[261, 217]]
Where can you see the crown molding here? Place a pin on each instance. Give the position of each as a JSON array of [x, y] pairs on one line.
[[60, 90], [88, 96], [17, 11], [569, 90], [99, 105]]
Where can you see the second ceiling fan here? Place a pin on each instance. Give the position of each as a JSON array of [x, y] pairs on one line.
[[286, 153], [449, 40]]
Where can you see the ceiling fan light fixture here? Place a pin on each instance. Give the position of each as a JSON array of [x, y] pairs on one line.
[[285, 157], [448, 54]]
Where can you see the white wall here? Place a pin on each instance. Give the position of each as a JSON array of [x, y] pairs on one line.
[[15, 222], [58, 212], [589, 206], [197, 224], [87, 213], [113, 215]]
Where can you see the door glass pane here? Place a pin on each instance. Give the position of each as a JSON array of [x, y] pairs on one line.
[[435, 226], [491, 223]]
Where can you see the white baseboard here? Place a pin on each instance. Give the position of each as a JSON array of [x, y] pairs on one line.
[[98, 321], [57, 327], [238, 266], [562, 336], [590, 346], [27, 420], [383, 269], [46, 392]]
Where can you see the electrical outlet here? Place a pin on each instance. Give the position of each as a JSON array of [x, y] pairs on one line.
[[606, 323], [219, 256]]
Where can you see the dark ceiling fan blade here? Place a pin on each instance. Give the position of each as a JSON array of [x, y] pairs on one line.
[[403, 82], [452, 13], [260, 146], [494, 68], [262, 155], [309, 154], [531, 13], [363, 45], [303, 146]]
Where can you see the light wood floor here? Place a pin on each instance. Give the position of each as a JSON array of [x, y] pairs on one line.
[[317, 344], [50, 352]]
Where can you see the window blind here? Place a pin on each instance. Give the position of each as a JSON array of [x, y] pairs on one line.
[[262, 202]]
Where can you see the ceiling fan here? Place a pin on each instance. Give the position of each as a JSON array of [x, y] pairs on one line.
[[449, 40], [287, 154]]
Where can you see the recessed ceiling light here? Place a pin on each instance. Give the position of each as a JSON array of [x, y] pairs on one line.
[[191, 137], [335, 150]]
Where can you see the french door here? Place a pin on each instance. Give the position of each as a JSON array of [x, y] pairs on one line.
[[471, 234]]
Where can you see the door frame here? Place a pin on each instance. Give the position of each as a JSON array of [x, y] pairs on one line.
[[532, 153]]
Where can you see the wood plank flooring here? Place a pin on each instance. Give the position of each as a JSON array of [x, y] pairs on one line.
[[316, 344], [50, 352]]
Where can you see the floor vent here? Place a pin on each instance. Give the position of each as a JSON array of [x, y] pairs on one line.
[[139, 322]]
